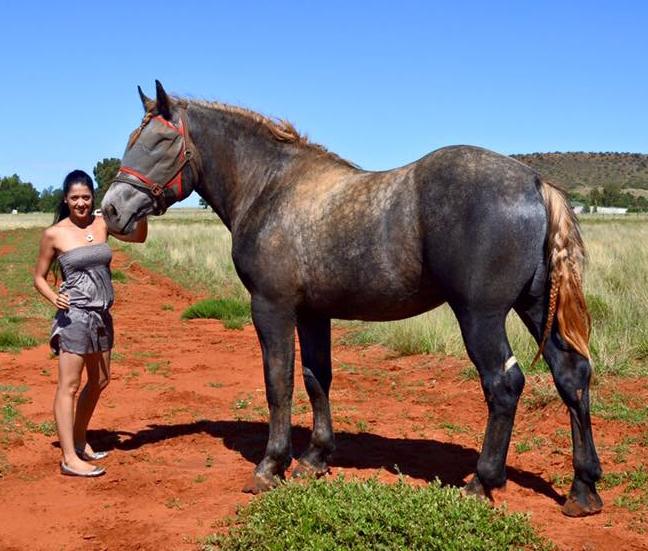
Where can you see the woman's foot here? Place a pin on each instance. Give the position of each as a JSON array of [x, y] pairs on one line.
[[85, 452], [77, 467]]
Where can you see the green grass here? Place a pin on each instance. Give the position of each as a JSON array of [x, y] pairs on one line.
[[232, 312], [12, 341], [119, 277], [38, 220], [360, 515], [13, 388], [193, 248], [619, 407], [635, 492], [12, 422], [46, 428], [159, 368], [242, 403], [21, 303], [529, 444]]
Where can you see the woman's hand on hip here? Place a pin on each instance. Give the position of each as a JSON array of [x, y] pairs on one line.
[[62, 301]]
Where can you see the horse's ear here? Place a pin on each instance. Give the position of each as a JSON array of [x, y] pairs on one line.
[[162, 101], [147, 103]]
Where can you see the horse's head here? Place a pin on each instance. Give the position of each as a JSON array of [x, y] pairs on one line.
[[158, 167]]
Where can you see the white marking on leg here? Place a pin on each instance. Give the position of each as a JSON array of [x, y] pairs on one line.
[[510, 363]]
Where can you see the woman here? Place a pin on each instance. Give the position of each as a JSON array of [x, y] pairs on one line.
[[82, 332]]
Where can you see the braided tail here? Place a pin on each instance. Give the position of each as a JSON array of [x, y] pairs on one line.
[[566, 255]]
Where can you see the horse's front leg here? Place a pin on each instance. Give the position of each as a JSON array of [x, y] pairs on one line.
[[275, 326], [315, 343], [502, 382]]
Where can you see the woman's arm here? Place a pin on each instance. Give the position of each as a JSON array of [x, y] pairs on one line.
[[46, 255]]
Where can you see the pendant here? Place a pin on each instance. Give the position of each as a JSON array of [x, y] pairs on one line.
[[89, 237]]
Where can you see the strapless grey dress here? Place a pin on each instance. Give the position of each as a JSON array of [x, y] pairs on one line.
[[86, 327]]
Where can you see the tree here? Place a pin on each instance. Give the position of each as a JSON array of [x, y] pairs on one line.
[[16, 194], [104, 173], [49, 199]]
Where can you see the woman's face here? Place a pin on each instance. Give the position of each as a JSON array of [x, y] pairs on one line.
[[79, 200]]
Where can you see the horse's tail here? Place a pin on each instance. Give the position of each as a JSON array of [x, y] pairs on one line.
[[566, 257]]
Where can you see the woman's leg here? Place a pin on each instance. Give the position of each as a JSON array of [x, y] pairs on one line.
[[98, 369], [69, 379]]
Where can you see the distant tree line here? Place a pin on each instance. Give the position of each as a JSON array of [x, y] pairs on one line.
[[610, 196], [24, 197]]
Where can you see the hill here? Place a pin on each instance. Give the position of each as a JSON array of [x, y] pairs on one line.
[[584, 171]]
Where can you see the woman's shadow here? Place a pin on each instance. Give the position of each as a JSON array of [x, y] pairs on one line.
[[423, 459]]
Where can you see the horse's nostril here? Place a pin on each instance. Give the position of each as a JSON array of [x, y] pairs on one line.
[[112, 211]]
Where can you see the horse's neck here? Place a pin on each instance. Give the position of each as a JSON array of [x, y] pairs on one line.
[[238, 163]]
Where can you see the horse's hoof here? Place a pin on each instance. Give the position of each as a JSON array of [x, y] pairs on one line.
[[259, 483], [306, 470], [591, 504], [475, 488]]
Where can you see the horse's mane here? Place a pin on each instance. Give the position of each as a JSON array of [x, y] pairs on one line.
[[280, 129]]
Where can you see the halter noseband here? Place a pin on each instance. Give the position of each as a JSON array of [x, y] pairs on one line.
[[171, 190]]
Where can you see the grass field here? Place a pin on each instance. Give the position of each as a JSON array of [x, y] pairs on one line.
[[195, 248], [24, 315], [31, 220]]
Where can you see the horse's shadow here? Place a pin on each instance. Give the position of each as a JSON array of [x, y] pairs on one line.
[[416, 458]]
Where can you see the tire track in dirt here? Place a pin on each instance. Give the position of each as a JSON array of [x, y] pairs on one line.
[[185, 421]]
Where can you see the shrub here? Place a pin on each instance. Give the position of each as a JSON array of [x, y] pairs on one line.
[[233, 313], [368, 514]]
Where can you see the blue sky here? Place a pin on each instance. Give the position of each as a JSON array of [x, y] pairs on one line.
[[380, 83]]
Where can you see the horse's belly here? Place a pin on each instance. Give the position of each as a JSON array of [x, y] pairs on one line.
[[369, 306]]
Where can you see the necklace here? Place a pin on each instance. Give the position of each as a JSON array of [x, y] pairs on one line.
[[90, 238]]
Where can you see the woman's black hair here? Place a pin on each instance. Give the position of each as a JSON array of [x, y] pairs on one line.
[[63, 210], [74, 177]]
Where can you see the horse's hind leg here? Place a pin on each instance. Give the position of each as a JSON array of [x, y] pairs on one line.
[[275, 326], [502, 382], [571, 373], [315, 341]]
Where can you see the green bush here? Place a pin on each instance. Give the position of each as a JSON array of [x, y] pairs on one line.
[[360, 515], [233, 313], [10, 340]]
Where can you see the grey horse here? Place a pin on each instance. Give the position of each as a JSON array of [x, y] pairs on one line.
[[314, 237]]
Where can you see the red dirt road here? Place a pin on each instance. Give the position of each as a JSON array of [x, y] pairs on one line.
[[184, 419]]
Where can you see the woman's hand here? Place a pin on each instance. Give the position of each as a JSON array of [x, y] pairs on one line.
[[138, 235], [62, 301]]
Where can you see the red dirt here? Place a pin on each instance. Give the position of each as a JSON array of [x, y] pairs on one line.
[[184, 418], [6, 249]]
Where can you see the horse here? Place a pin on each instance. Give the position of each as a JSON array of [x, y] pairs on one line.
[[314, 238]]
